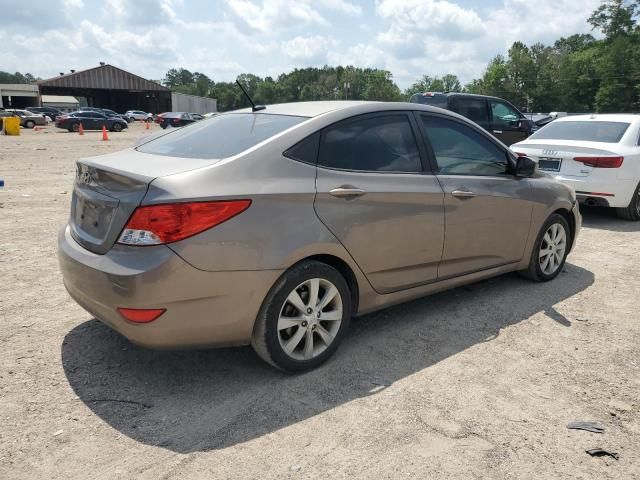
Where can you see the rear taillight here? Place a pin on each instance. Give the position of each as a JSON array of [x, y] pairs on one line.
[[175, 120], [166, 223], [601, 162]]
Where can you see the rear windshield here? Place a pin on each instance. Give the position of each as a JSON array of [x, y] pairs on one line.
[[588, 131], [221, 136], [433, 100]]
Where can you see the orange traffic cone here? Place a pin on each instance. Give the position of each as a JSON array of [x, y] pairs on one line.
[[81, 130], [147, 127], [105, 137]]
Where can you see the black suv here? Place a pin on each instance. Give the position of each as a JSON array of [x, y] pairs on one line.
[[50, 112], [496, 115]]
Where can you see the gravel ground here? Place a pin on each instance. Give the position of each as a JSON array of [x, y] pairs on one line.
[[478, 382]]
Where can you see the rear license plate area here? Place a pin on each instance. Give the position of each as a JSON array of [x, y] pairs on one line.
[[549, 164], [92, 218]]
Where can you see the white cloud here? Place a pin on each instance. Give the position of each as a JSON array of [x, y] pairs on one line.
[[432, 17], [312, 49], [275, 15], [342, 6], [69, 4]]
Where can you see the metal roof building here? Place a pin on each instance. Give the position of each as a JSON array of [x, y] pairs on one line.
[[107, 86], [18, 95]]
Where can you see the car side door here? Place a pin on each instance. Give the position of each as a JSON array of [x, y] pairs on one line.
[[507, 123], [375, 195], [100, 119], [86, 119], [487, 208]]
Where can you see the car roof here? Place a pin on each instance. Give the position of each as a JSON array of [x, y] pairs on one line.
[[609, 117], [309, 109]]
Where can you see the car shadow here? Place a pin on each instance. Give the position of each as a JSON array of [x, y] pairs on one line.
[[200, 400], [606, 219]]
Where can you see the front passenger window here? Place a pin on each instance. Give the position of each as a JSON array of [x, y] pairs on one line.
[[461, 150], [503, 115]]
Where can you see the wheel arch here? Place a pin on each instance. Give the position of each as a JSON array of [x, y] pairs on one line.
[[566, 214]]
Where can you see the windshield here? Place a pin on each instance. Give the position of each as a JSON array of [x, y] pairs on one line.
[[221, 136], [435, 100], [588, 131]]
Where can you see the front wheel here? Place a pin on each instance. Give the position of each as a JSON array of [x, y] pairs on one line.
[[632, 212], [550, 250], [303, 318], [29, 124], [116, 127]]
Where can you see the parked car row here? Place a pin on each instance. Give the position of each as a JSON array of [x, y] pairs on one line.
[[90, 120]]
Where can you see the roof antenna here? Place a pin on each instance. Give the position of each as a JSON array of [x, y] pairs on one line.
[[254, 107]]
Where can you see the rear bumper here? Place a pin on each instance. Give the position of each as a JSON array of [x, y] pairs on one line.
[[203, 308], [590, 191]]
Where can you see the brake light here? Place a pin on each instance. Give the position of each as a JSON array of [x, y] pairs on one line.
[[167, 223], [145, 315], [601, 162]]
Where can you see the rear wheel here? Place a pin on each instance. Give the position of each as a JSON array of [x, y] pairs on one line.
[[632, 212], [116, 127], [550, 250], [74, 127], [304, 317], [29, 124]]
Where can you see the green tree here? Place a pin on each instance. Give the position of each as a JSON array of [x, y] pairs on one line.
[[615, 17]]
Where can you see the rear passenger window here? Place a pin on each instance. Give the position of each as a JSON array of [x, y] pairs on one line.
[[379, 143], [306, 150], [460, 150], [474, 109]]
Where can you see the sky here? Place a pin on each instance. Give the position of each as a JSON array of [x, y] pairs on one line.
[[223, 38]]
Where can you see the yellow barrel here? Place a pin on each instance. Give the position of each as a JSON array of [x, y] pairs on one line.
[[11, 126]]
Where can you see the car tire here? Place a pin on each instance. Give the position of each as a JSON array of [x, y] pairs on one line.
[[75, 127], [632, 212], [116, 127], [547, 266], [294, 340], [29, 124], [164, 126]]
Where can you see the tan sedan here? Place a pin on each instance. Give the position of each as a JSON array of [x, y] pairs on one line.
[[275, 227]]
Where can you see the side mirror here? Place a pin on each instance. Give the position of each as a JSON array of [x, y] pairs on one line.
[[525, 167]]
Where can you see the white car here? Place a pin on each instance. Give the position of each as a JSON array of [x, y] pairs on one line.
[[138, 115], [598, 155]]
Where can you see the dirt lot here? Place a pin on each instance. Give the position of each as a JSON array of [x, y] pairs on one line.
[[478, 382]]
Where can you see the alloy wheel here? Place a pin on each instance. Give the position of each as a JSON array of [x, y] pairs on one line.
[[310, 319], [552, 249]]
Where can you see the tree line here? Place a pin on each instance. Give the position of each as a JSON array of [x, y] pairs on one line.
[[579, 73]]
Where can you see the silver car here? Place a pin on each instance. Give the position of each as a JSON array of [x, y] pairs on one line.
[[276, 227]]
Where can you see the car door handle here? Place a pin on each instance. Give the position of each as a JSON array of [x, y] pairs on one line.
[[497, 131], [463, 194], [347, 191]]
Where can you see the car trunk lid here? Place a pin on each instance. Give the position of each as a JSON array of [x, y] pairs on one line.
[[108, 189], [559, 158]]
